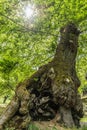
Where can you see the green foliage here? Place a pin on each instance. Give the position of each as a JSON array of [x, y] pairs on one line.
[[33, 127], [6, 65], [84, 128], [27, 43], [84, 89]]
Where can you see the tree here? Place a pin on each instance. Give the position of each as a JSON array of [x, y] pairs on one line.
[[52, 90]]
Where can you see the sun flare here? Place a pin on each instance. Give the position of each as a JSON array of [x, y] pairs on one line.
[[29, 11]]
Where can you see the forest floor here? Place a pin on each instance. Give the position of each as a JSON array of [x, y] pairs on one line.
[[48, 125]]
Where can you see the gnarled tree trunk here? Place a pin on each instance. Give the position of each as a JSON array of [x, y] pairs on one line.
[[51, 91]]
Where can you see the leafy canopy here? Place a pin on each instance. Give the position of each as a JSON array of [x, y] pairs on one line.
[[29, 42]]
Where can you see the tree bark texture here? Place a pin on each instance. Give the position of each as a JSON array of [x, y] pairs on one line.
[[51, 91]]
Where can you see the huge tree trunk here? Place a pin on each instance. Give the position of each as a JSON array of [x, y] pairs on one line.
[[51, 91]]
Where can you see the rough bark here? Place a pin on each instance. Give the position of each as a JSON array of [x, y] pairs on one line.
[[51, 91]]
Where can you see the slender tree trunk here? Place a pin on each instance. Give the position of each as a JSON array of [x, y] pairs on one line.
[[51, 91]]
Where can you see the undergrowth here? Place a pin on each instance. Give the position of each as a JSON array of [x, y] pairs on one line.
[[33, 127]]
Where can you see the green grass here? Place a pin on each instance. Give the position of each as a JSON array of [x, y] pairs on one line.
[[34, 127]]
